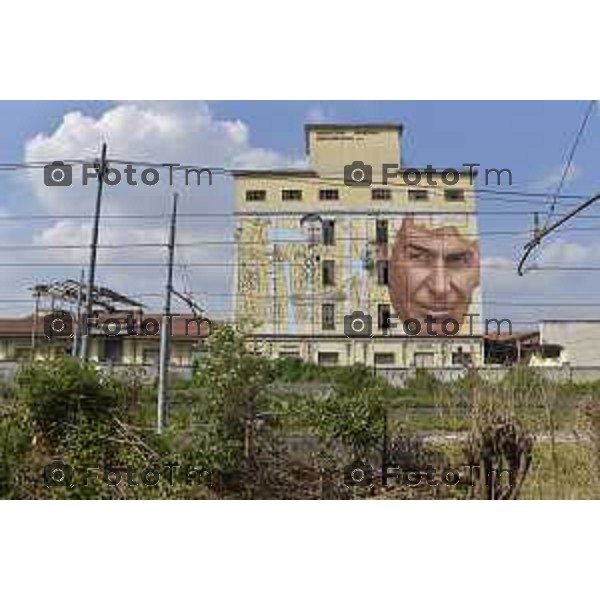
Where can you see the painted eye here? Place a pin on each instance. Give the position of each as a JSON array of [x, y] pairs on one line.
[[417, 255], [457, 259]]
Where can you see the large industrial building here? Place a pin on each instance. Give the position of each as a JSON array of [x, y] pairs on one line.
[[321, 246]]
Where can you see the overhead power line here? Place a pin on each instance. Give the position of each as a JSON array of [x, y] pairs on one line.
[[542, 232], [288, 175], [569, 159]]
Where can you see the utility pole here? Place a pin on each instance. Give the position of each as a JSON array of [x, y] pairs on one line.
[[34, 324], [385, 445], [77, 328], [89, 304], [536, 224], [165, 333]]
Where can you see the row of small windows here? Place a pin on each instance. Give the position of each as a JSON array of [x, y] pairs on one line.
[[328, 232], [420, 359], [332, 194], [328, 272]]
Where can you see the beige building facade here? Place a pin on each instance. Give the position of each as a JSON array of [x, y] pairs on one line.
[[334, 260]]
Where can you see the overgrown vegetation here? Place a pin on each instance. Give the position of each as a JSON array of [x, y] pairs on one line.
[[247, 427]]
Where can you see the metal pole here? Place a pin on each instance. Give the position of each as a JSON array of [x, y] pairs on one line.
[[165, 332], [34, 324], [384, 445], [89, 304], [77, 328]]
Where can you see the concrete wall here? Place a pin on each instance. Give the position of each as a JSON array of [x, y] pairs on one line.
[[396, 376], [493, 374], [579, 340]]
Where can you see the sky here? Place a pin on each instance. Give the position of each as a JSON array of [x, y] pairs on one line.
[[532, 139]]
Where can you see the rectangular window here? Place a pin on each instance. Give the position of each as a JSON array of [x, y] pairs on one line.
[[328, 271], [424, 360], [329, 194], [328, 229], [150, 356], [381, 232], [21, 352], [385, 358], [381, 194], [418, 195], [328, 317], [328, 358], [112, 351], [454, 195], [382, 272], [256, 195], [291, 195], [383, 316]]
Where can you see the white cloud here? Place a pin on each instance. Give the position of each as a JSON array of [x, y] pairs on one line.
[[156, 132]]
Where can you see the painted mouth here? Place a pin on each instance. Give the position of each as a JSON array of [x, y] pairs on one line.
[[439, 313]]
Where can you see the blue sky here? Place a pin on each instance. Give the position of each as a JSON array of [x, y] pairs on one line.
[[530, 138]]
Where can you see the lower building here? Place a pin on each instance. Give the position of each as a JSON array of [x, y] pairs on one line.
[[578, 339], [26, 338], [380, 351]]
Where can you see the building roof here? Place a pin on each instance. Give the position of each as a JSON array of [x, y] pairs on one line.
[[341, 126], [20, 327], [274, 172], [286, 172], [569, 321], [505, 336]]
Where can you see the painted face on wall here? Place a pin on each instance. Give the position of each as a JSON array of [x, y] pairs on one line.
[[433, 271]]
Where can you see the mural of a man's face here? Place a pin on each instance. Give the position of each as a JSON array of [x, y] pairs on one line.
[[433, 271]]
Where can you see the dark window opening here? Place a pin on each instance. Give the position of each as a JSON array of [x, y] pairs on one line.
[[328, 229], [328, 317], [418, 195], [329, 194], [382, 272], [454, 195], [256, 195], [328, 272], [383, 316], [381, 232], [381, 194], [291, 194]]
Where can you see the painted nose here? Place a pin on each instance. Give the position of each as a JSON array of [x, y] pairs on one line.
[[440, 281]]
